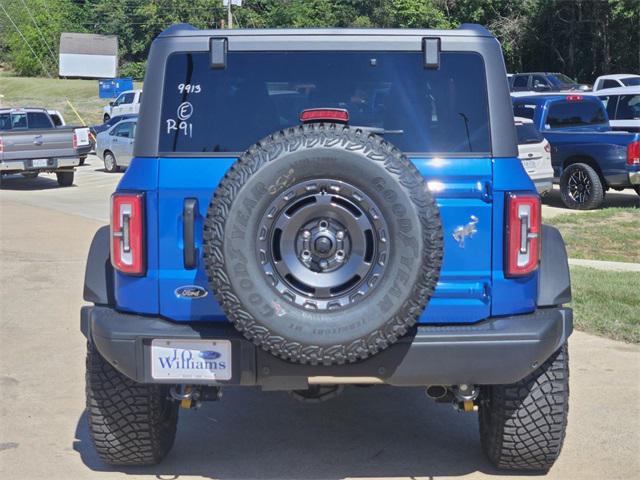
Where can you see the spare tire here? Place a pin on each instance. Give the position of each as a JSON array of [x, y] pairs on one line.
[[323, 244]]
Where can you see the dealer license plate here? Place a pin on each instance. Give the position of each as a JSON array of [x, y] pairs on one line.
[[529, 164], [190, 359], [40, 162]]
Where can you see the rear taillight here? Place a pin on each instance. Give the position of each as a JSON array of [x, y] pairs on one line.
[[523, 234], [1, 146], [75, 140], [127, 233], [633, 153], [547, 147]]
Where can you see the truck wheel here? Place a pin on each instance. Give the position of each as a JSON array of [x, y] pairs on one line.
[[581, 187], [522, 426], [130, 423], [110, 164], [65, 179], [323, 244], [82, 160]]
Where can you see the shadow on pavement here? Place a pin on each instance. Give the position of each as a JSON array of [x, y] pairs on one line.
[[625, 199], [366, 432], [20, 183]]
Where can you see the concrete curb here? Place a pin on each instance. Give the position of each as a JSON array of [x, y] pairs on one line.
[[604, 265]]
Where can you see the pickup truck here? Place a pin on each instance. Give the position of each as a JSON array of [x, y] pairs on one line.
[[588, 157], [31, 144], [127, 102]]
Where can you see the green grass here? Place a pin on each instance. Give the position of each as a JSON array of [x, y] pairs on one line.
[[608, 234], [53, 94], [606, 303]]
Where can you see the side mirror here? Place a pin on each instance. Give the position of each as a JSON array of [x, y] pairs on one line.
[[111, 103]]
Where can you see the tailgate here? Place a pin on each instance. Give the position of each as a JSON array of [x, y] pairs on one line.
[[462, 188]]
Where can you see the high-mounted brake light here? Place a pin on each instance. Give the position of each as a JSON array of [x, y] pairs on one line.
[[523, 234], [127, 233], [324, 115], [574, 98], [633, 153]]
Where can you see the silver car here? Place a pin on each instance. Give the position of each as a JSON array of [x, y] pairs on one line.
[[115, 145]]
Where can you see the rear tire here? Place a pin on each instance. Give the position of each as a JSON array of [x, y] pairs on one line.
[[581, 187], [130, 423], [110, 164], [82, 160], [65, 179], [522, 426]]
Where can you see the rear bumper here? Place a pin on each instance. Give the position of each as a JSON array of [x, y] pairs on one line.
[[53, 164], [544, 185], [496, 351]]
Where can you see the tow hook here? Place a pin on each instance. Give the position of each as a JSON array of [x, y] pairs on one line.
[[464, 397], [192, 396]]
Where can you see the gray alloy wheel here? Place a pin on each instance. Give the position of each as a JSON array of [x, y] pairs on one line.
[[110, 164]]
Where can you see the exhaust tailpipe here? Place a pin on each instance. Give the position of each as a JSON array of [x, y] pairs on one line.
[[436, 391]]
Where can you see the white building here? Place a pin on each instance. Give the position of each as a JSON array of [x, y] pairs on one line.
[[86, 55]]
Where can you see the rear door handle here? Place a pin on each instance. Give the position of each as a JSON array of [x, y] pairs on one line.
[[188, 232]]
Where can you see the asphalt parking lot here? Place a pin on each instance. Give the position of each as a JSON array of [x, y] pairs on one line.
[[374, 432]]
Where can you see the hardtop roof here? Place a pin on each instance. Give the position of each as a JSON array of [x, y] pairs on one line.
[[187, 30]]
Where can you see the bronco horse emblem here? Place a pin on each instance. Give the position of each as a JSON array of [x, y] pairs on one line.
[[469, 230]]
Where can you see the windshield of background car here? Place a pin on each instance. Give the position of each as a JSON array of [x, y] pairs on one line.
[[527, 133], [442, 110], [560, 79], [575, 114], [631, 81]]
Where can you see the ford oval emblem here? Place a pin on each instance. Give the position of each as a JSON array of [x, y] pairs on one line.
[[210, 355], [191, 291]]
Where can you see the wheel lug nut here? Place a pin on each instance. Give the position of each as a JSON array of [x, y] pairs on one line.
[[306, 234], [324, 264], [340, 235]]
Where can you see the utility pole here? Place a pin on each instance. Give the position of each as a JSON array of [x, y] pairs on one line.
[[229, 15]]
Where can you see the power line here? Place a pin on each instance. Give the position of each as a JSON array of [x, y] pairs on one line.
[[25, 41], [39, 31]]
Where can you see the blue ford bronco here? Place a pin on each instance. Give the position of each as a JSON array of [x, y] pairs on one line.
[[313, 209]]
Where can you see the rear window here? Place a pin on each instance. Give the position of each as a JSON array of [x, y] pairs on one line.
[[527, 133], [631, 81], [226, 110], [524, 110], [574, 114], [39, 120], [628, 107]]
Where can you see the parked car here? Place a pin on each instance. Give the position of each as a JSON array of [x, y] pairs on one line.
[[115, 146], [127, 102], [588, 158], [96, 129], [534, 152], [623, 107], [303, 251], [544, 82], [31, 144], [616, 81]]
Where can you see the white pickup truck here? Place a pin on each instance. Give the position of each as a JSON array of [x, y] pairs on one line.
[[126, 103], [31, 144]]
